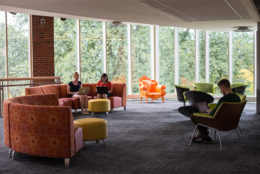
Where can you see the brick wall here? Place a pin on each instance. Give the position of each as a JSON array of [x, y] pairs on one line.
[[43, 46]]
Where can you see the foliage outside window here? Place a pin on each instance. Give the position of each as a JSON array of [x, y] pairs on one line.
[[166, 58], [186, 56], [202, 60], [218, 56], [243, 60], [91, 51], [65, 36], [2, 45], [141, 54], [18, 49], [117, 53]]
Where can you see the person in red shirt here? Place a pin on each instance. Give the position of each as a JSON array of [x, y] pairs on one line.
[[105, 83]]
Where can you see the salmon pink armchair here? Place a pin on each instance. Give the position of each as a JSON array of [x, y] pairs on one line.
[[150, 89]]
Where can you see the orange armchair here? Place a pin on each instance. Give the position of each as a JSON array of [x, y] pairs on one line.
[[150, 89]]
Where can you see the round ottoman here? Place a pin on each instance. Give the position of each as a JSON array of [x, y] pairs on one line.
[[93, 129], [99, 105]]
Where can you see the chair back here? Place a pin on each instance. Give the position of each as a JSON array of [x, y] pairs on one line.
[[205, 87], [180, 90], [239, 89], [197, 96], [228, 114]]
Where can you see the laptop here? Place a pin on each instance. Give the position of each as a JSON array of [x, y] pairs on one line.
[[83, 91], [102, 90], [202, 107]]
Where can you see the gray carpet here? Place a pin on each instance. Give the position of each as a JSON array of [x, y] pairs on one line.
[[151, 138]]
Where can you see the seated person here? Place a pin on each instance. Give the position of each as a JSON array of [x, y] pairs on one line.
[[103, 82], [228, 96], [73, 89]]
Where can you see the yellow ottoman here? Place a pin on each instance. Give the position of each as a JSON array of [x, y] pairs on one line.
[[93, 129], [99, 105]]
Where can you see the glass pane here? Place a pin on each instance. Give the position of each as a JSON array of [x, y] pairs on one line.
[[91, 51], [18, 45], [186, 56], [218, 56], [2, 45], [243, 59], [18, 50], [141, 54], [65, 44], [202, 59], [166, 59], [117, 53]]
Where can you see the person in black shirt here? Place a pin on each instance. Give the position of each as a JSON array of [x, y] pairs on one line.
[[229, 96], [73, 89]]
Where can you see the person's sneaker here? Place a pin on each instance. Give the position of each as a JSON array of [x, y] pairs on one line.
[[197, 139]]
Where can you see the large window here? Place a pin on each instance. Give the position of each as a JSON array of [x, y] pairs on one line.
[[243, 59], [186, 56], [117, 52], [166, 58], [91, 51], [218, 56], [65, 43], [141, 54], [2, 45]]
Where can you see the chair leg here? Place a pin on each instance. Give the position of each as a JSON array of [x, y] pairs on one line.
[[163, 99], [10, 153], [220, 143], [184, 103], [241, 132], [125, 108], [146, 99], [106, 113], [67, 162], [92, 113], [193, 133], [13, 153], [215, 134], [141, 99]]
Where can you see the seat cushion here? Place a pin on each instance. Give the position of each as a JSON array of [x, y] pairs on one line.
[[93, 128], [116, 101], [75, 103], [78, 138], [62, 90], [99, 105], [65, 102]]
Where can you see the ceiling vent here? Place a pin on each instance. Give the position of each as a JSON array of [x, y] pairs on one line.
[[242, 29]]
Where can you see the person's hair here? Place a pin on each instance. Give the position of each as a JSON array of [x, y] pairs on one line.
[[76, 73], [104, 75], [224, 82]]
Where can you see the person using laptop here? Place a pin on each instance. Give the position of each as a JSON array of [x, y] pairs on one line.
[[228, 96], [73, 89], [104, 82]]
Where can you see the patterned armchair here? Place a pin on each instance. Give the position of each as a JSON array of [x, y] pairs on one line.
[[150, 89], [37, 125]]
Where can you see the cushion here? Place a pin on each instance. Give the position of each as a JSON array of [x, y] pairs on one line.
[[116, 101], [50, 89], [62, 90], [33, 91], [78, 138], [75, 103], [48, 99], [65, 102]]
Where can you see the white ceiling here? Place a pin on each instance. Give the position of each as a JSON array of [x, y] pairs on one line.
[[215, 15]]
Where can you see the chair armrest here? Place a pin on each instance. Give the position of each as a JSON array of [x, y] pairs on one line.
[[203, 115], [212, 105], [160, 88]]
